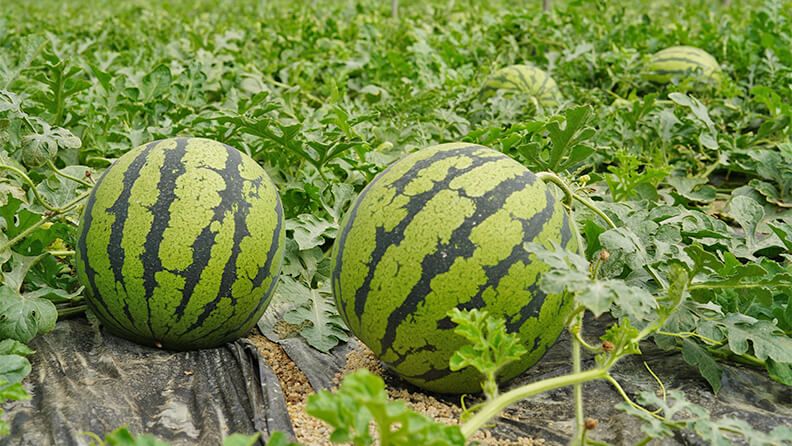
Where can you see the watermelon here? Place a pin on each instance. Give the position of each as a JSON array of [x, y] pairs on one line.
[[180, 244], [683, 62], [524, 79], [442, 228]]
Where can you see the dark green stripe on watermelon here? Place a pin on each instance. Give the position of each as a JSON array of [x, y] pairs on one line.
[[194, 243], [458, 246], [445, 228], [681, 60], [171, 170], [263, 273], [524, 79], [89, 274], [234, 184], [396, 235]]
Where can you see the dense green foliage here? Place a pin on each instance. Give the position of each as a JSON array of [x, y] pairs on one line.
[[324, 95]]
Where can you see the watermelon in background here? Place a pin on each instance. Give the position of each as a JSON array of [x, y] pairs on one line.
[[181, 243], [442, 228], [682, 62], [524, 79]]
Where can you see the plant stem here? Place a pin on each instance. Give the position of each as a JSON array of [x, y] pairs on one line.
[[710, 169], [570, 195], [67, 176], [627, 399], [68, 206], [493, 408], [577, 389], [659, 381], [689, 334], [595, 209], [655, 276], [46, 219], [745, 358], [59, 96], [71, 311], [707, 286], [62, 253], [25, 233], [550, 177], [576, 334], [32, 185]]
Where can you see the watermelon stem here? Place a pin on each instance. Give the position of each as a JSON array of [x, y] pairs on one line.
[[71, 311], [32, 185], [64, 253], [497, 405], [577, 389], [571, 195], [47, 218], [575, 331], [58, 172]]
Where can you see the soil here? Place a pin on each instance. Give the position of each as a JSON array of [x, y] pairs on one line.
[[310, 431], [747, 394], [296, 389]]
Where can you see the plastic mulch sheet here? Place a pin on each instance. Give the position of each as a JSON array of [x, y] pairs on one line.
[[86, 381], [746, 393]]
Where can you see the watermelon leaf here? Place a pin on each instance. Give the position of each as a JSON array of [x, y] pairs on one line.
[[569, 272], [58, 191], [12, 392], [490, 346], [314, 312], [23, 315], [569, 146], [122, 437], [674, 411], [361, 400], [277, 439], [780, 372], [748, 214], [23, 318], [310, 231], [242, 440], [698, 357], [767, 340], [14, 367]]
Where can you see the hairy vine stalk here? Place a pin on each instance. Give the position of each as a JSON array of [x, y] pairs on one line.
[[53, 211]]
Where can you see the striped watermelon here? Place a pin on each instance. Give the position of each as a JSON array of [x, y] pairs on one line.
[[445, 227], [680, 62], [525, 79], [181, 243]]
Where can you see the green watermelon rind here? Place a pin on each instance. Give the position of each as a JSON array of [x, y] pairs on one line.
[[523, 79], [682, 62], [180, 244], [428, 234]]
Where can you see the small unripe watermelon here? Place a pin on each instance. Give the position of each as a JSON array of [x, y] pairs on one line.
[[683, 62], [524, 79], [445, 227], [181, 243]]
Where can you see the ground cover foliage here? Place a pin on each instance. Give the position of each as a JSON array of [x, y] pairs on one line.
[[696, 181]]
